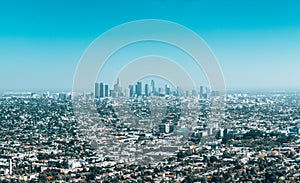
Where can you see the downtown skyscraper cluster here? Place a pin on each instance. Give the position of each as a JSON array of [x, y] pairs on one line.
[[139, 89]]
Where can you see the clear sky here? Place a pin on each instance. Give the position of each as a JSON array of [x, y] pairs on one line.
[[257, 43]]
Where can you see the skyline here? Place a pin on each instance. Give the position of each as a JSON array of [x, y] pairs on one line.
[[257, 44], [146, 87]]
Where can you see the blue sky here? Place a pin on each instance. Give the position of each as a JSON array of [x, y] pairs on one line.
[[257, 43]]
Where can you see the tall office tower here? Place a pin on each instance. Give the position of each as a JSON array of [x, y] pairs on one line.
[[146, 90], [106, 91], [208, 92], [117, 86], [126, 93], [97, 90], [113, 93], [215, 93], [194, 93], [153, 90], [167, 90], [138, 88], [101, 90], [159, 90], [201, 92], [131, 91], [179, 91], [187, 93]]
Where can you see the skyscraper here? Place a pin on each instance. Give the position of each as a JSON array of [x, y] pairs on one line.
[[97, 90], [153, 90], [208, 92], [179, 91], [138, 88], [201, 92], [106, 91], [117, 86], [117, 91], [101, 90], [131, 91], [146, 90], [167, 90]]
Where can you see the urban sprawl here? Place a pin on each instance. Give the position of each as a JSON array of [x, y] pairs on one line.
[[149, 134]]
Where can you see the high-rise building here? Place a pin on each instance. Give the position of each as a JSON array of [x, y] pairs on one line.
[[167, 90], [101, 90], [117, 91], [106, 91], [201, 92], [117, 86], [179, 91], [114, 93], [97, 90], [126, 92], [138, 88], [194, 93], [146, 90], [159, 91], [131, 91], [208, 92], [187, 93], [153, 90]]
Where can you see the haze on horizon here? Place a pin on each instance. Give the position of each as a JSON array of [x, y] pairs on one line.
[[256, 43]]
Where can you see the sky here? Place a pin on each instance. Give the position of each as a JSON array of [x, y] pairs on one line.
[[257, 43]]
